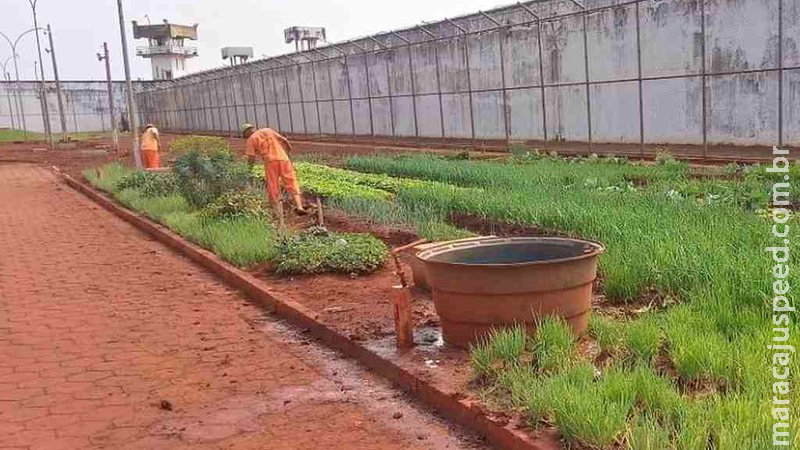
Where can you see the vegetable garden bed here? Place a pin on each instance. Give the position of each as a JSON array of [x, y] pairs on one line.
[[690, 371]]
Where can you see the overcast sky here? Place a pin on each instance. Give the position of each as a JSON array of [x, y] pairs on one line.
[[81, 26]]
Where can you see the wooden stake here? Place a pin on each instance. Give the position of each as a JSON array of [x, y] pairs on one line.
[[320, 214], [403, 321], [281, 221]]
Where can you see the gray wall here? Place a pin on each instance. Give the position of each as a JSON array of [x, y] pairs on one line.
[[636, 71], [85, 105]]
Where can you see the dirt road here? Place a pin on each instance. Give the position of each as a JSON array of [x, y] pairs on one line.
[[109, 340]]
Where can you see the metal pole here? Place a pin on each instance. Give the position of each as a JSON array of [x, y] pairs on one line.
[[439, 86], [61, 115], [21, 101], [541, 81], [333, 98], [8, 98], [110, 86], [469, 87], [316, 96], [275, 94], [264, 96], [703, 75], [350, 94], [302, 97], [639, 77], [469, 77], [389, 91], [133, 117], [41, 94], [45, 110], [369, 96], [586, 73], [288, 97], [253, 98]]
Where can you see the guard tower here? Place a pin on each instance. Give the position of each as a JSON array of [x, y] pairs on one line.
[[237, 55], [165, 47], [308, 35]]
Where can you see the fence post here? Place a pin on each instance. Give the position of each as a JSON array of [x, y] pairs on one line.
[[639, 79], [469, 76], [275, 94], [504, 90], [704, 79], [333, 97], [316, 96]]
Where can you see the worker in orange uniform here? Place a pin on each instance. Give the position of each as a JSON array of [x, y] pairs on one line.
[[151, 145], [278, 169]]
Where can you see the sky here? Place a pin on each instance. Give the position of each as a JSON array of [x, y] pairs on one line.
[[80, 27]]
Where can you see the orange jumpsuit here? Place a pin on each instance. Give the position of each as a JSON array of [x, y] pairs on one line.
[[271, 147], [149, 146]]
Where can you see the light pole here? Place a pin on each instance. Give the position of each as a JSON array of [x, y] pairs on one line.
[[7, 77], [13, 45], [61, 116], [45, 109], [104, 57], [132, 115]]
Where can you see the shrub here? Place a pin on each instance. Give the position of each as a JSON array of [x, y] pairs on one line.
[[149, 184], [235, 204], [202, 178], [205, 145], [319, 252]]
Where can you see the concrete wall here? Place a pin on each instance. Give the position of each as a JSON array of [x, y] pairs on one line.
[[85, 105], [656, 71]]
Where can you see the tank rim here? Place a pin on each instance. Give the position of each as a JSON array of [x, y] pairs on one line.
[[597, 249]]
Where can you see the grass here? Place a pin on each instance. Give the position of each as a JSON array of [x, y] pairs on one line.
[[699, 241]]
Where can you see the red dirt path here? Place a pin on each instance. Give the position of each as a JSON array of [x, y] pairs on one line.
[[109, 340]]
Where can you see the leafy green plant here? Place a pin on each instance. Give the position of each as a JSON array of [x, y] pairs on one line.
[[314, 252], [202, 178], [205, 145], [233, 204], [149, 184]]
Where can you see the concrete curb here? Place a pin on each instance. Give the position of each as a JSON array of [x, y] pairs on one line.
[[450, 407]]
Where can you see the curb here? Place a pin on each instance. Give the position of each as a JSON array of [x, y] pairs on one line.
[[460, 412]]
